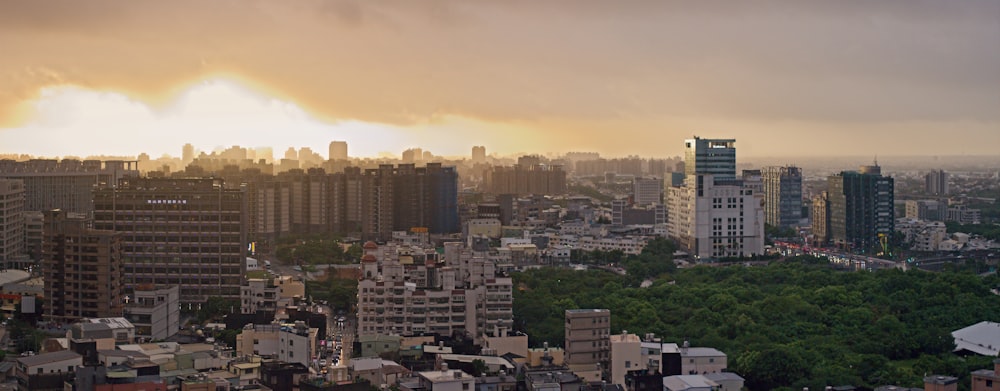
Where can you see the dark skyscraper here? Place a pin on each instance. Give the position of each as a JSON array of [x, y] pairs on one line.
[[406, 197], [715, 157], [861, 207], [936, 183], [782, 195]]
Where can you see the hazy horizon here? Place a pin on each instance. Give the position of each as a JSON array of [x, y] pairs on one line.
[[805, 78]]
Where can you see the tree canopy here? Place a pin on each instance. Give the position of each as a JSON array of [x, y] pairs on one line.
[[797, 323]]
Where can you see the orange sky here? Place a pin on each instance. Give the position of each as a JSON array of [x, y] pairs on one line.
[[625, 78]]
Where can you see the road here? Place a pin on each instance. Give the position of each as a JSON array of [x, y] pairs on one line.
[[336, 330]]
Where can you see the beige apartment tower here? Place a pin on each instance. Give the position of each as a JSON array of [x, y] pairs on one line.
[[82, 269], [11, 221], [587, 343]]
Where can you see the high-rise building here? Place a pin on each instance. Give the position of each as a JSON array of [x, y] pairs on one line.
[[710, 156], [407, 197], [479, 154], [713, 214], [646, 191], [187, 154], [338, 150], [82, 269], [782, 195], [11, 221], [712, 219], [33, 235], [936, 183], [587, 338], [65, 184], [618, 211], [413, 155], [186, 232], [521, 179], [821, 219], [861, 208]]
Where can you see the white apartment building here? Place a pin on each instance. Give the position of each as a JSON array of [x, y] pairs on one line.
[[671, 359], [710, 218], [462, 294], [269, 294], [291, 343], [154, 312], [922, 235]]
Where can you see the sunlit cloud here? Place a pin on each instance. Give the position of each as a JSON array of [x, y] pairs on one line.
[[220, 113]]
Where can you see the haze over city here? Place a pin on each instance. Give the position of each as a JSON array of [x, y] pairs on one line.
[[805, 78]]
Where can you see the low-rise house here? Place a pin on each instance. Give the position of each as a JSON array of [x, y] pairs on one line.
[[47, 371], [442, 380], [987, 379], [727, 381], [689, 383], [377, 371]]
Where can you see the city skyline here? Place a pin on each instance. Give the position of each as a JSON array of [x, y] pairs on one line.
[[810, 78]]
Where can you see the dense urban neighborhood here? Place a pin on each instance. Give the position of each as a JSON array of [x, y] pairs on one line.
[[232, 270]]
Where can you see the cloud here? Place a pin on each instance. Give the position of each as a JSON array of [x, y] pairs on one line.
[[643, 63]]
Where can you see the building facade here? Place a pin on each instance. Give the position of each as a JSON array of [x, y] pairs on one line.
[[83, 269], [782, 195], [526, 179], [65, 184], [178, 232]]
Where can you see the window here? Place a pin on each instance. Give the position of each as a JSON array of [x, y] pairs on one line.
[[628, 364], [291, 342], [465, 386]]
